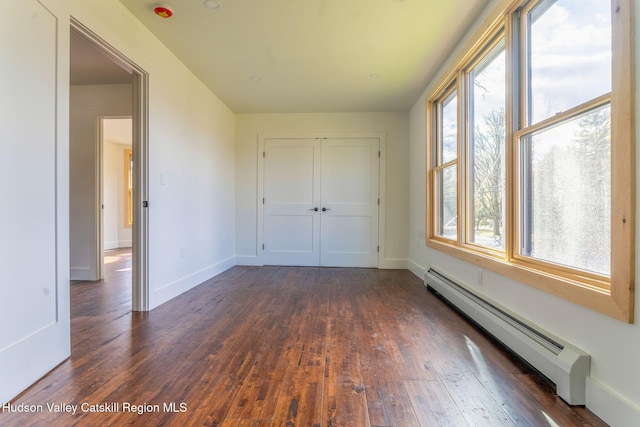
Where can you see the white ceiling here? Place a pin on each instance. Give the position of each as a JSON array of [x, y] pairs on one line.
[[118, 131], [268, 56]]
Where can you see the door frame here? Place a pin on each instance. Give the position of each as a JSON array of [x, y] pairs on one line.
[[140, 146], [321, 135]]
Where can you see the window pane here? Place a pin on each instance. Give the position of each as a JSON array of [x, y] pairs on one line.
[[487, 97], [449, 129], [566, 196], [570, 55], [447, 202]]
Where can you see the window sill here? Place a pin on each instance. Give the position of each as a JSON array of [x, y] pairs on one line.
[[615, 302]]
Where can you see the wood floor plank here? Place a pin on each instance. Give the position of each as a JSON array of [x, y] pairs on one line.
[[300, 403], [432, 404], [345, 402], [311, 341], [387, 400], [257, 398], [384, 344], [254, 423], [477, 405], [289, 346], [388, 403], [225, 377]]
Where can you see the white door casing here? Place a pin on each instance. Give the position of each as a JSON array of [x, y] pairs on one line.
[[320, 201], [34, 187]]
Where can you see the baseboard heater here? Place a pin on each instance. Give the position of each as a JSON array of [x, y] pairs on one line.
[[564, 364]]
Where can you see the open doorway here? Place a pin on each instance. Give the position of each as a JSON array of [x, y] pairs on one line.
[[117, 189], [105, 85]]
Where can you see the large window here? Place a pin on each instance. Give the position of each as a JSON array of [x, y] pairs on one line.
[[531, 152]]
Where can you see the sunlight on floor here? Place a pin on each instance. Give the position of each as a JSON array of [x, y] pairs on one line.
[[550, 420], [475, 353]]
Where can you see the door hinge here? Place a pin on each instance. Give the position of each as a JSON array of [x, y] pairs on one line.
[[379, 154], [378, 249], [263, 246], [263, 200], [264, 154], [378, 201], [145, 203]]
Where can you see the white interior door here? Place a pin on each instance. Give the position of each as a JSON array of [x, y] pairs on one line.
[[34, 188], [291, 202], [349, 195], [321, 202]]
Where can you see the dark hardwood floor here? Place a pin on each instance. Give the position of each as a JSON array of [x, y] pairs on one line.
[[275, 346]]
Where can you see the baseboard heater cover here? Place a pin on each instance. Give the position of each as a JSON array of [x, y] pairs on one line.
[[564, 364]]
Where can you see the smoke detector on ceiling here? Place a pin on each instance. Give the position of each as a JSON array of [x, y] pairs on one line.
[[163, 11]]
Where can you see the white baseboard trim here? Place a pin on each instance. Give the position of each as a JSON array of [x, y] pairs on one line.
[[80, 273], [110, 245], [117, 244], [393, 264], [417, 269], [248, 260], [171, 290], [388, 263], [610, 407]]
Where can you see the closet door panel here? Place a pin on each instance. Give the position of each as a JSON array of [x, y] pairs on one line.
[[349, 196]]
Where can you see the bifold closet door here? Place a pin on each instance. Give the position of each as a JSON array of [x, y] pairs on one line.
[[321, 202]]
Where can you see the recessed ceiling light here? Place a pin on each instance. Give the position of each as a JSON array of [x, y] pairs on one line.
[[397, 1], [374, 76], [211, 4], [256, 78]]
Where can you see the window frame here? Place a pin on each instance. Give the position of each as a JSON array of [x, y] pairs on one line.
[[128, 188], [451, 88], [493, 39], [612, 296], [591, 278]]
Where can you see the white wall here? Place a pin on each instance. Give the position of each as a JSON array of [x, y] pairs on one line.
[[87, 104], [394, 125], [614, 386], [116, 234]]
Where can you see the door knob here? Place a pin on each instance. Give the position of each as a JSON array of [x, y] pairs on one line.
[[325, 209], [314, 209]]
